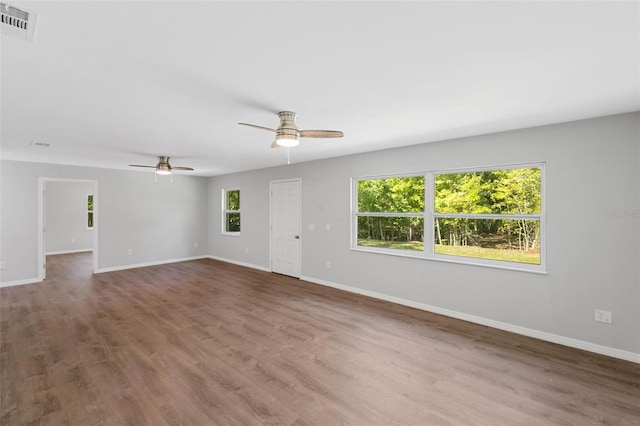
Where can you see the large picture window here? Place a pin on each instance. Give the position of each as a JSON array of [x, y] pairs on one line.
[[231, 211], [489, 216]]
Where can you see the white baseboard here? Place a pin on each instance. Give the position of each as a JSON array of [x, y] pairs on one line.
[[237, 262], [20, 282], [549, 337], [120, 268], [53, 253], [143, 265], [139, 265]]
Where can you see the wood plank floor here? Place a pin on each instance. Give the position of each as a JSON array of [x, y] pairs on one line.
[[210, 343]]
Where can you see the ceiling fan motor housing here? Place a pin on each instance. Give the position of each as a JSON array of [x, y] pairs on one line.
[[287, 130], [163, 167]]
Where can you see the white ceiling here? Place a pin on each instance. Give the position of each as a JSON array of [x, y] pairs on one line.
[[107, 84]]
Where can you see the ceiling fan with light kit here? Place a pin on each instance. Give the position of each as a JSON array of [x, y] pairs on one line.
[[288, 134], [163, 167]]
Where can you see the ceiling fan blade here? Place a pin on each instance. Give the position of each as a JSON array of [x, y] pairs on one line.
[[258, 127], [140, 165], [321, 134], [180, 168]]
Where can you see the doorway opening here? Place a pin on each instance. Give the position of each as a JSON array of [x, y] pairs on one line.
[[68, 223]]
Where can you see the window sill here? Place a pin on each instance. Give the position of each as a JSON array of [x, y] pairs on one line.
[[511, 266], [231, 234]]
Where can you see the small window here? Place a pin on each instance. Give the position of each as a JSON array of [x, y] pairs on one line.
[[89, 211], [231, 211]]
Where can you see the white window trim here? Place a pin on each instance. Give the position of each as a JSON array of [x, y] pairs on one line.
[[224, 214], [429, 220]]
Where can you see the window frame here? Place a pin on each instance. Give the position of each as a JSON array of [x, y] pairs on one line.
[[429, 214], [225, 212]]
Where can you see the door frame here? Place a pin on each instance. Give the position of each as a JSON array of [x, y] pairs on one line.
[[271, 183], [42, 256]]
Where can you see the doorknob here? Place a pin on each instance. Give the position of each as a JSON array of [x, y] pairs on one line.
[[297, 237]]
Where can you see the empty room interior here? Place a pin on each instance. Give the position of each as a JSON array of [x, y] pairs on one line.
[[320, 213]]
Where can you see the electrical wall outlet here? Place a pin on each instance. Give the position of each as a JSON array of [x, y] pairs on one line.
[[129, 252], [603, 316], [3, 265], [195, 244], [328, 264]]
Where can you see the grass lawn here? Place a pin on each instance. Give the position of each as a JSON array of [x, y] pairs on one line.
[[403, 245], [467, 251], [490, 253]]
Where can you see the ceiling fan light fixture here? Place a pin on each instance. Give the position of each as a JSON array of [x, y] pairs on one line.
[[163, 169], [287, 141]]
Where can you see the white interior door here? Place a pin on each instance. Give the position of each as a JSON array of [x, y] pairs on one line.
[[286, 212]]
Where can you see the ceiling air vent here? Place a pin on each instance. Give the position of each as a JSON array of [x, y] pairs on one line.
[[18, 23]]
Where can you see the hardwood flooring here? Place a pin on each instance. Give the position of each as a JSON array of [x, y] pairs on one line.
[[210, 343]]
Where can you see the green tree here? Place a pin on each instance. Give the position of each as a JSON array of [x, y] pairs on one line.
[[518, 192], [391, 195], [233, 211], [510, 191]]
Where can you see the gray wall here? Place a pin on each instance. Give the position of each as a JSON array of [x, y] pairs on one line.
[[158, 221], [593, 225], [66, 217]]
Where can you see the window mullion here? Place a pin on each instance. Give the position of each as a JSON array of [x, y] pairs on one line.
[[429, 218]]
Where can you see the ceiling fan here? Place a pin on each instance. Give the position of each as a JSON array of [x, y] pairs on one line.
[[163, 167], [287, 133]]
